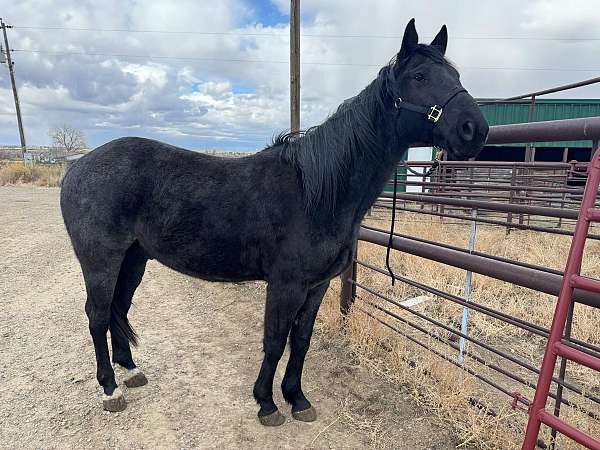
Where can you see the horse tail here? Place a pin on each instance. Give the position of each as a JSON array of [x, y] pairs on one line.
[[120, 326]]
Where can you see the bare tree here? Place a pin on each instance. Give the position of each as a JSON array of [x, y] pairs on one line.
[[67, 137]]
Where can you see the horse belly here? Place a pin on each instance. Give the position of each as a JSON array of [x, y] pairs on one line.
[[214, 260]]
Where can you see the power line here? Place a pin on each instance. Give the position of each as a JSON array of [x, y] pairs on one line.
[[284, 34], [265, 61], [181, 58]]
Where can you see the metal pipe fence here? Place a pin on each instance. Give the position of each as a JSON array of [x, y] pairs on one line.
[[541, 197]]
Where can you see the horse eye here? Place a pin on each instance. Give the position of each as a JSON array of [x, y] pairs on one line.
[[419, 77]]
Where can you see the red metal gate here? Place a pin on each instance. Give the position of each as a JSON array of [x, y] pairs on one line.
[[557, 345]]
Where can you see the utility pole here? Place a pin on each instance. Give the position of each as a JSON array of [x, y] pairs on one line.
[[295, 65], [10, 64]]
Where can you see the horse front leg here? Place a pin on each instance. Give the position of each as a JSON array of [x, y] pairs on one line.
[[300, 336], [283, 303]]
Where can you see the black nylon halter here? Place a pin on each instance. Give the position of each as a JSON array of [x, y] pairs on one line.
[[433, 113]]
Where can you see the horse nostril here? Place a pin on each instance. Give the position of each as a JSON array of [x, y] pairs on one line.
[[467, 130]]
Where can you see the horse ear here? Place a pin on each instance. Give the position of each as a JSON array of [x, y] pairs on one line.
[[441, 40], [409, 41]]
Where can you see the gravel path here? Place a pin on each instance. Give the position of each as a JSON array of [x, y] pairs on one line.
[[200, 348]]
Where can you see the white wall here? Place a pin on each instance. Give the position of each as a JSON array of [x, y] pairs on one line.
[[417, 154]]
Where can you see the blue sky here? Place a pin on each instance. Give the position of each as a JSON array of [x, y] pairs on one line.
[[267, 14], [202, 74]]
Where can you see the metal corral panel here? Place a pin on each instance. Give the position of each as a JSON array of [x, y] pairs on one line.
[[507, 113]]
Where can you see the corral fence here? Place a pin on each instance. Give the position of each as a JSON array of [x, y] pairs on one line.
[[525, 200], [430, 187]]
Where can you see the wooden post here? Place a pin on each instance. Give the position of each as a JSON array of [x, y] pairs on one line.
[[295, 66], [10, 63], [348, 290]]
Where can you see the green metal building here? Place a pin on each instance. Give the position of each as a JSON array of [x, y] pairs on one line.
[[544, 109]]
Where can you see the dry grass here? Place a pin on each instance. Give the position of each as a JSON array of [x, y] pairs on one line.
[[447, 391], [13, 172]]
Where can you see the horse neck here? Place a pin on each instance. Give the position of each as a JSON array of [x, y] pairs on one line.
[[372, 167], [345, 162], [366, 183]]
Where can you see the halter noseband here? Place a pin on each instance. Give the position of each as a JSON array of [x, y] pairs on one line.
[[434, 112]]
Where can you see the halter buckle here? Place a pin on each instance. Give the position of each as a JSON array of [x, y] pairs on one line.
[[397, 102], [435, 113]]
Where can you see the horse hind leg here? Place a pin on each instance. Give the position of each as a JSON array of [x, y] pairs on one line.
[[121, 332], [100, 273]]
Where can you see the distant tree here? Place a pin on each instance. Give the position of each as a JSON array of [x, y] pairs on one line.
[[67, 137]]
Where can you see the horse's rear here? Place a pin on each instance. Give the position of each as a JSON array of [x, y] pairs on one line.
[[201, 215]]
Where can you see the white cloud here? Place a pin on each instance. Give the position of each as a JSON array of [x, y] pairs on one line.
[[223, 98], [153, 74]]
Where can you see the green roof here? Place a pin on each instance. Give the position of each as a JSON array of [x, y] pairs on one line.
[[545, 109]]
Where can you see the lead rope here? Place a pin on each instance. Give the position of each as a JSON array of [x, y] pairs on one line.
[[393, 224], [389, 246]]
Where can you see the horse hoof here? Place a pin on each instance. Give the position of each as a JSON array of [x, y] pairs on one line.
[[308, 415], [115, 402], [135, 378], [272, 420]]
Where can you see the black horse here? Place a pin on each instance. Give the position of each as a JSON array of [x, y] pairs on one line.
[[288, 215]]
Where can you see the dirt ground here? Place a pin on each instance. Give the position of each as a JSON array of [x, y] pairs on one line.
[[200, 347]]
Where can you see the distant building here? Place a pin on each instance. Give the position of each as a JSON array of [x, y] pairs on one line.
[[40, 154], [545, 109]]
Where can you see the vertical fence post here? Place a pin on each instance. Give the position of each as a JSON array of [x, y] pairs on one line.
[[467, 291], [564, 185], [522, 172], [511, 196], [443, 180], [423, 180], [348, 290]]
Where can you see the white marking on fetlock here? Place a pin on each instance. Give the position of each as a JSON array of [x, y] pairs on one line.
[[116, 394], [131, 373]]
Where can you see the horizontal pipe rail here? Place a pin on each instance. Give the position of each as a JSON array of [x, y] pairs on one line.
[[440, 354], [580, 345], [578, 190], [503, 196], [474, 252], [519, 362], [482, 204], [524, 325], [583, 129], [501, 223], [496, 164], [530, 278], [473, 356], [564, 87]]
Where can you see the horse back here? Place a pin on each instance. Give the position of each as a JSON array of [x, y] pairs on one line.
[[212, 217]]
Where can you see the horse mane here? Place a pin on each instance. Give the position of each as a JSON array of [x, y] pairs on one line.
[[324, 155]]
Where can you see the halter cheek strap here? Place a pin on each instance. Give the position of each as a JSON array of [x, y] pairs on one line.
[[433, 113]]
